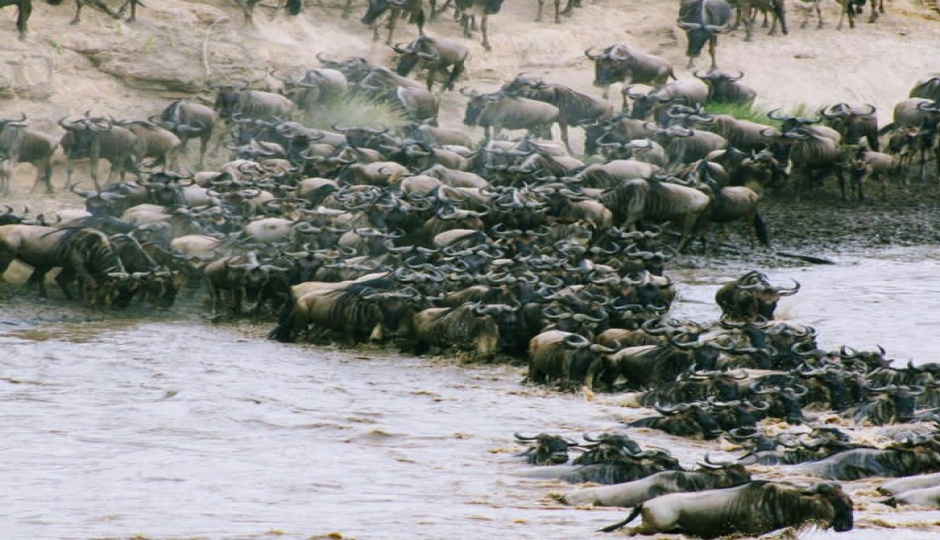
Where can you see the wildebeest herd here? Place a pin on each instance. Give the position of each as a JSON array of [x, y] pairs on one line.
[[429, 240]]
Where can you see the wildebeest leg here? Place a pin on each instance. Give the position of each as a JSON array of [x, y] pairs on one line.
[[712, 45], [203, 146], [6, 172], [874, 12], [43, 175], [557, 11], [62, 280], [455, 72], [24, 10], [486, 38], [69, 169], [393, 16], [538, 13], [93, 167], [465, 22], [133, 6], [419, 20], [78, 12], [347, 9], [846, 9], [564, 134], [38, 278]]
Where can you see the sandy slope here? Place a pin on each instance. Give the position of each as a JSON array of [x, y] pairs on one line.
[[134, 70]]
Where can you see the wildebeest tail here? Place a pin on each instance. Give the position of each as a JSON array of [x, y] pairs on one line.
[[285, 321], [760, 227], [621, 524], [294, 6]]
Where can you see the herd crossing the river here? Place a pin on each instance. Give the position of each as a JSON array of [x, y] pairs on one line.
[[430, 239]]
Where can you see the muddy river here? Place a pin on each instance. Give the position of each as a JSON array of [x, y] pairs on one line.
[[164, 426]]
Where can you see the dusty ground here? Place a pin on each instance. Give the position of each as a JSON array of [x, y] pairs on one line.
[[133, 70]]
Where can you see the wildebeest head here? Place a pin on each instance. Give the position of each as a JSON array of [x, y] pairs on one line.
[[850, 121], [902, 397], [610, 65], [927, 89], [11, 123], [226, 103], [477, 103], [607, 448], [697, 416], [548, 449], [751, 297], [82, 135], [702, 20], [841, 504], [414, 53]]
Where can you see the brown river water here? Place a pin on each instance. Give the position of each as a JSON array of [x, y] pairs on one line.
[[165, 426]]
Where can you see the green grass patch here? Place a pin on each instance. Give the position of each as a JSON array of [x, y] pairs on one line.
[[357, 109], [755, 113]]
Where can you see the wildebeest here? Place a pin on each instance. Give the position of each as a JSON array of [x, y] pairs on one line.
[[617, 63], [83, 253], [747, 10], [702, 21], [620, 467], [547, 450], [894, 487], [637, 492], [683, 420], [253, 104], [854, 122], [471, 327], [558, 11], [574, 107], [656, 201], [904, 459], [497, 111], [727, 88], [847, 8], [100, 4], [927, 89], [689, 92], [562, 357], [248, 8], [436, 55], [477, 12], [751, 297], [734, 203], [414, 9], [927, 497], [188, 120], [18, 144], [94, 138], [361, 309], [755, 508], [866, 164]]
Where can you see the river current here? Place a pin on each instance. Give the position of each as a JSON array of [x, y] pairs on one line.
[[165, 426]]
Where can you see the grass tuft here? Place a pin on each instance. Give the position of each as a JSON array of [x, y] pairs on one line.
[[757, 113], [357, 109]]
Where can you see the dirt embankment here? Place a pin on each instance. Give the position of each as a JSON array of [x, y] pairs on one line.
[[176, 46]]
